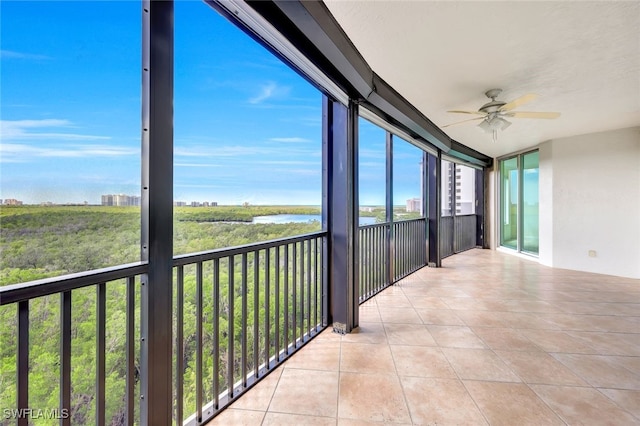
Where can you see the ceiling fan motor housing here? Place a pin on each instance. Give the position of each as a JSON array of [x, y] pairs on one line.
[[494, 105]]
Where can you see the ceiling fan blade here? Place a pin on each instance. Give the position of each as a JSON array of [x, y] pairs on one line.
[[463, 121], [519, 101], [456, 111], [527, 114]]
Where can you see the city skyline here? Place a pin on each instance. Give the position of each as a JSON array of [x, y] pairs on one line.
[[246, 127]]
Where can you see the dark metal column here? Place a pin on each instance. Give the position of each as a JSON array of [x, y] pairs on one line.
[[480, 239], [424, 179], [340, 140], [157, 212], [391, 251], [434, 186]]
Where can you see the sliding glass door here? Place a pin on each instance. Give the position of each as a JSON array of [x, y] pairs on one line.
[[509, 195], [530, 203], [519, 202]]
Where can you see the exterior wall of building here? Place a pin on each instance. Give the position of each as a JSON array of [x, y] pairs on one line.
[[590, 202]]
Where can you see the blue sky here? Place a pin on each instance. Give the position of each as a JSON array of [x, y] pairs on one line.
[[246, 127]]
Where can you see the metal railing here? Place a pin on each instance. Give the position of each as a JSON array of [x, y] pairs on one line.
[[282, 283], [446, 236], [410, 249], [40, 292], [464, 233], [374, 259], [457, 233], [238, 313], [406, 253]]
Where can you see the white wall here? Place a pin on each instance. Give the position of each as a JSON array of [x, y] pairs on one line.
[[590, 200]]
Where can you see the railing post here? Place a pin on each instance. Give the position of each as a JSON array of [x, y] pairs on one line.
[[157, 212], [340, 210], [434, 168]]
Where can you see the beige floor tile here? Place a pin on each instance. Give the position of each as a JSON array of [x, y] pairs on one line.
[[625, 344], [600, 371], [440, 402], [409, 334], [370, 332], [369, 313], [626, 399], [576, 405], [455, 337], [557, 341], [296, 419], [307, 392], [427, 302], [317, 355], [540, 367], [421, 361], [328, 335], [233, 416], [372, 397], [464, 303], [439, 317], [367, 358], [393, 300], [259, 397], [599, 308], [526, 320], [406, 315], [479, 364], [631, 363], [480, 319], [448, 292], [357, 422], [505, 338], [511, 404]]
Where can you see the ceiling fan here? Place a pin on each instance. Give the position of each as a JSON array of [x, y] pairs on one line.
[[493, 113]]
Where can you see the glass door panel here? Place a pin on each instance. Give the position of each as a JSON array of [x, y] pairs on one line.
[[509, 203], [530, 202]]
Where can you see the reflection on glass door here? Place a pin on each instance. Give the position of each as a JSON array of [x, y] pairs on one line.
[[519, 203], [530, 202], [509, 195]]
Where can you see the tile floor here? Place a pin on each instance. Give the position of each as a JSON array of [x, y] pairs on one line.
[[488, 338]]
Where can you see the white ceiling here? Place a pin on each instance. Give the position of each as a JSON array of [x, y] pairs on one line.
[[582, 59]]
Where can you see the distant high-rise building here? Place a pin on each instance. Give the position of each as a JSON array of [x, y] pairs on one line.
[[12, 202], [414, 205], [462, 193], [120, 200]]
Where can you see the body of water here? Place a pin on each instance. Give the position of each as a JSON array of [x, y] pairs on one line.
[[302, 218]]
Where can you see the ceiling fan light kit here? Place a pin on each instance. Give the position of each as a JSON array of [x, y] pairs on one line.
[[493, 112]]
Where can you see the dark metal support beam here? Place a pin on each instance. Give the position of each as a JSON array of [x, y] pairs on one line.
[[340, 159], [424, 207], [157, 212], [434, 186], [389, 209], [480, 208]]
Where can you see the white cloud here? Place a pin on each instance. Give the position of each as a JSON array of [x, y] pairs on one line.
[[218, 151], [10, 54], [24, 129], [269, 91], [290, 140], [18, 153], [288, 162], [195, 165], [266, 92]]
